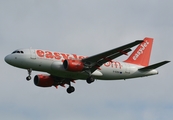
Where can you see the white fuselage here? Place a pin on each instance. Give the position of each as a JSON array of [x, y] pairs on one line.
[[52, 63]]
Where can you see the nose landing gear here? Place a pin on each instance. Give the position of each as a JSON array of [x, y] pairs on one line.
[[28, 78], [29, 74]]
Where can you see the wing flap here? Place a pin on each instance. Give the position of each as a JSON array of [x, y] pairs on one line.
[[107, 59], [154, 66]]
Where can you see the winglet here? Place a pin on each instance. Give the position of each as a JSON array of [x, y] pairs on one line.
[[141, 55], [154, 66]]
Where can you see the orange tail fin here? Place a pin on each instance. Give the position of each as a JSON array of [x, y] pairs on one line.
[[141, 55]]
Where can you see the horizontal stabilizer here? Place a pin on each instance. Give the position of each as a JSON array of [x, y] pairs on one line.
[[154, 66]]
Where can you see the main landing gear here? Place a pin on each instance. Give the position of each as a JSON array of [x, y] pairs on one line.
[[90, 80], [29, 74], [70, 89]]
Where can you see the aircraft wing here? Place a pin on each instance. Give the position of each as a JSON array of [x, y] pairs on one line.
[[98, 60]]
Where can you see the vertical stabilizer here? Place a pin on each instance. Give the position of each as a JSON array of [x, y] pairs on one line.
[[141, 55]]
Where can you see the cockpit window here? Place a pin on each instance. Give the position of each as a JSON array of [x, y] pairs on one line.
[[14, 52], [17, 51]]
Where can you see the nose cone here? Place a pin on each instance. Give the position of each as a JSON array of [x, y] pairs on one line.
[[7, 59], [14, 60]]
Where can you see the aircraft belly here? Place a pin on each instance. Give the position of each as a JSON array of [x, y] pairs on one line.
[[70, 75], [105, 73], [124, 72], [112, 73]]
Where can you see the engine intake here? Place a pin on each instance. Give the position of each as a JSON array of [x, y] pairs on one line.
[[73, 65], [43, 80]]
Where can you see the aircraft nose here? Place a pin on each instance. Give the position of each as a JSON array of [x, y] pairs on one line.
[[7, 59]]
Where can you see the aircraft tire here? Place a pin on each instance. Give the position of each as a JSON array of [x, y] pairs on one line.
[[90, 80], [28, 78], [70, 89]]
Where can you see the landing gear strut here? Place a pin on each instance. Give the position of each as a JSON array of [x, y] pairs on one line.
[[70, 89], [90, 79], [29, 74]]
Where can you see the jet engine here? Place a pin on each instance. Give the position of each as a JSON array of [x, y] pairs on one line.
[[73, 65], [43, 80]]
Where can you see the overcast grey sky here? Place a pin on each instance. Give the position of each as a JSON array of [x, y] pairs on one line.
[[86, 27]]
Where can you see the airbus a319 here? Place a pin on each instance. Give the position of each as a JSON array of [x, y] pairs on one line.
[[63, 68]]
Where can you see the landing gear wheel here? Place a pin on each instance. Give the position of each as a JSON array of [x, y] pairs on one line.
[[90, 80], [70, 89], [28, 78]]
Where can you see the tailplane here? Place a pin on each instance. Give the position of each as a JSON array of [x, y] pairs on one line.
[[154, 66], [141, 55]]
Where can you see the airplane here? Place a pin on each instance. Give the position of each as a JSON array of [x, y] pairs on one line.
[[63, 68]]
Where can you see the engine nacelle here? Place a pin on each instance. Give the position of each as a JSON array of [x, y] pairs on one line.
[[73, 65], [43, 80]]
